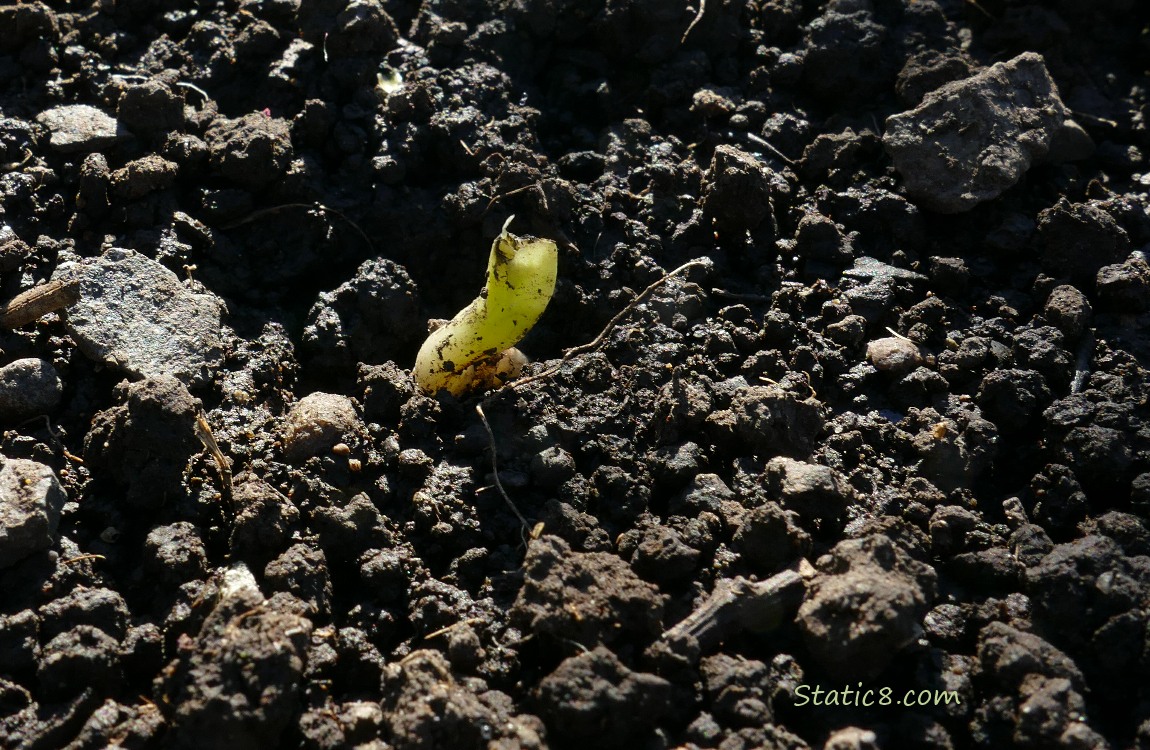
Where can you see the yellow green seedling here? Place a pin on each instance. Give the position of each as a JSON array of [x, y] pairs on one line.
[[474, 350]]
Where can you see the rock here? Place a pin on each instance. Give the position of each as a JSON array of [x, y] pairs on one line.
[[1069, 310], [971, 140], [31, 500], [79, 127], [28, 388], [136, 316], [894, 354], [811, 490], [864, 606], [317, 422], [593, 699]]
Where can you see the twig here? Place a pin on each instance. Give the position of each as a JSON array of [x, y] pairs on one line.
[[78, 558], [737, 604], [38, 301], [598, 340], [453, 626], [256, 215], [695, 21], [770, 147], [204, 433], [739, 297], [495, 471]]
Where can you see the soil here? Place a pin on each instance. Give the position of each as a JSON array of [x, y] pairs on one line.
[[889, 436]]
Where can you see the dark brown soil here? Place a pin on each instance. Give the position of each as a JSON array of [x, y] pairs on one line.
[[890, 435]]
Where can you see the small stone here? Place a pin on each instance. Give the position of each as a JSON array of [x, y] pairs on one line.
[[894, 354], [811, 490], [971, 140], [79, 127], [137, 316], [31, 500], [1069, 310], [28, 388], [319, 421]]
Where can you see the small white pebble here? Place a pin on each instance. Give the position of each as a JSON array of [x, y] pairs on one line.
[[893, 354]]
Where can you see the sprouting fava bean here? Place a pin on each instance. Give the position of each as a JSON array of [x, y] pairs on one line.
[[475, 349]]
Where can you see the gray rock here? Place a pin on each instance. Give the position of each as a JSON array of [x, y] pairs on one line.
[[811, 490], [136, 316], [319, 421], [893, 354], [1069, 310], [971, 140], [28, 387], [79, 127], [31, 500]]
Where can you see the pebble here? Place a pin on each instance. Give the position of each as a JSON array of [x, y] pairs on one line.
[[971, 140], [138, 317], [79, 127], [31, 500], [28, 388], [318, 422], [893, 354]]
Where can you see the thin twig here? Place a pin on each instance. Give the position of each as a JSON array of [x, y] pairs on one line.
[[770, 147], [256, 215], [495, 471], [694, 22], [204, 433], [598, 340], [453, 626], [90, 556]]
